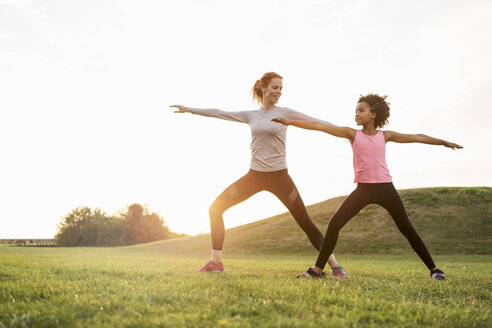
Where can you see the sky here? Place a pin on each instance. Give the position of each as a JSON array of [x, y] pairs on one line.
[[85, 90]]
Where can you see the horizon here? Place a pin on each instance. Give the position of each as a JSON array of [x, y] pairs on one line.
[[85, 117], [265, 218]]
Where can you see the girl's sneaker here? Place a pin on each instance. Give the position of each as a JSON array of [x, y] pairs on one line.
[[339, 272], [212, 267], [311, 274], [437, 274]]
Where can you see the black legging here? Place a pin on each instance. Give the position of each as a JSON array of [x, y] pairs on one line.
[[278, 183], [383, 194]]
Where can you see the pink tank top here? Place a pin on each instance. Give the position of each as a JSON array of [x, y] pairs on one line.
[[370, 158]]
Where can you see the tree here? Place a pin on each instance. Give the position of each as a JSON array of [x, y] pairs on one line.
[[86, 227], [143, 227]]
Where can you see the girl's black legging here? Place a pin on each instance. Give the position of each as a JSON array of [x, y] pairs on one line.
[[278, 183], [385, 195]]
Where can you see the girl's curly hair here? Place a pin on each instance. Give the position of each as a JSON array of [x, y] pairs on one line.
[[380, 106]]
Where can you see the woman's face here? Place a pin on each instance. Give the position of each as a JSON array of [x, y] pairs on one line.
[[363, 113], [273, 92]]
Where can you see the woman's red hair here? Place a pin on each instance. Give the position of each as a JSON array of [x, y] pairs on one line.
[[263, 83]]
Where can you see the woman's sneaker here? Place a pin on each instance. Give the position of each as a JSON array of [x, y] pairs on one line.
[[437, 274], [339, 272], [212, 267], [311, 274]]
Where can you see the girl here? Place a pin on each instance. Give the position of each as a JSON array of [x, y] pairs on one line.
[[374, 183], [268, 170]]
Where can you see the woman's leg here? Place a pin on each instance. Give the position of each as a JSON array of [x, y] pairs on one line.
[[391, 201], [236, 193], [286, 191], [357, 200]]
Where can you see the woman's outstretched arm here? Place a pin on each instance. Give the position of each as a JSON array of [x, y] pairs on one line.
[[241, 116], [294, 115], [337, 131], [421, 138]]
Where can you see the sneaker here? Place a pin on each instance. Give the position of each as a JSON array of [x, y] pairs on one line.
[[339, 272], [212, 267], [311, 274], [437, 274]]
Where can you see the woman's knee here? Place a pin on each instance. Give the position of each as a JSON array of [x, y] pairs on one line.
[[215, 211]]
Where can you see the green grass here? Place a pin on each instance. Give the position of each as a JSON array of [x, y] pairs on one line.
[[154, 285], [141, 287]]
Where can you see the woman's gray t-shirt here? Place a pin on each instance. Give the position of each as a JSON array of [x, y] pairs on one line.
[[267, 137]]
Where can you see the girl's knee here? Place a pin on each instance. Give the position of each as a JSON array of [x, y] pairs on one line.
[[407, 230], [335, 225]]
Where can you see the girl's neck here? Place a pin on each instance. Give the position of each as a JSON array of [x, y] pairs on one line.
[[369, 129]]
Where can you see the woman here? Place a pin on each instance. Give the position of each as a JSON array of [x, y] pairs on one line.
[[374, 182], [268, 169]]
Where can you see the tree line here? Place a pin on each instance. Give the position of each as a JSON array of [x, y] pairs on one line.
[[87, 227]]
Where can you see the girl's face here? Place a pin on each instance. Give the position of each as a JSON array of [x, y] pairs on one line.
[[363, 114], [272, 93]]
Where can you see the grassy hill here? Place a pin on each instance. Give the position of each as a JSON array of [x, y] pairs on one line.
[[450, 220]]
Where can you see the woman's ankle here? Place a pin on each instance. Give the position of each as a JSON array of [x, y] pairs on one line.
[[332, 262]]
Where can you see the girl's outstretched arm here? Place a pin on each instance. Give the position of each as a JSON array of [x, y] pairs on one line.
[[337, 131], [421, 138]]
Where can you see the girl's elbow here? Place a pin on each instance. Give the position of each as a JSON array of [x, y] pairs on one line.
[[420, 138]]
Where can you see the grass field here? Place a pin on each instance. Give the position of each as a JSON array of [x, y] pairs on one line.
[[155, 285], [116, 287]]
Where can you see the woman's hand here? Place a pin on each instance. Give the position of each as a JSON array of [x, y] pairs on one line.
[[181, 109], [280, 120], [451, 145]]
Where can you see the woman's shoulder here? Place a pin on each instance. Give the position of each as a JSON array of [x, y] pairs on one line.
[[288, 112], [249, 112], [287, 109]]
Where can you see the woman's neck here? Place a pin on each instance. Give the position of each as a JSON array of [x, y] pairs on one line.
[[268, 105]]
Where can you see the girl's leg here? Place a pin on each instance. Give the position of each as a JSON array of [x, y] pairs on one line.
[[236, 193], [391, 201], [357, 200]]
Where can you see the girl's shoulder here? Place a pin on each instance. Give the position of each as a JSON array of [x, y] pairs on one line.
[[387, 134]]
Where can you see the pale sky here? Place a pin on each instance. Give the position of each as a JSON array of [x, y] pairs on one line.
[[85, 89]]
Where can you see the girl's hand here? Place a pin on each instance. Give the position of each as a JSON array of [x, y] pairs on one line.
[[451, 145], [280, 120], [181, 109]]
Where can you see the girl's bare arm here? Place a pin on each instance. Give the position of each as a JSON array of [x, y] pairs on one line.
[[337, 131], [421, 138]]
